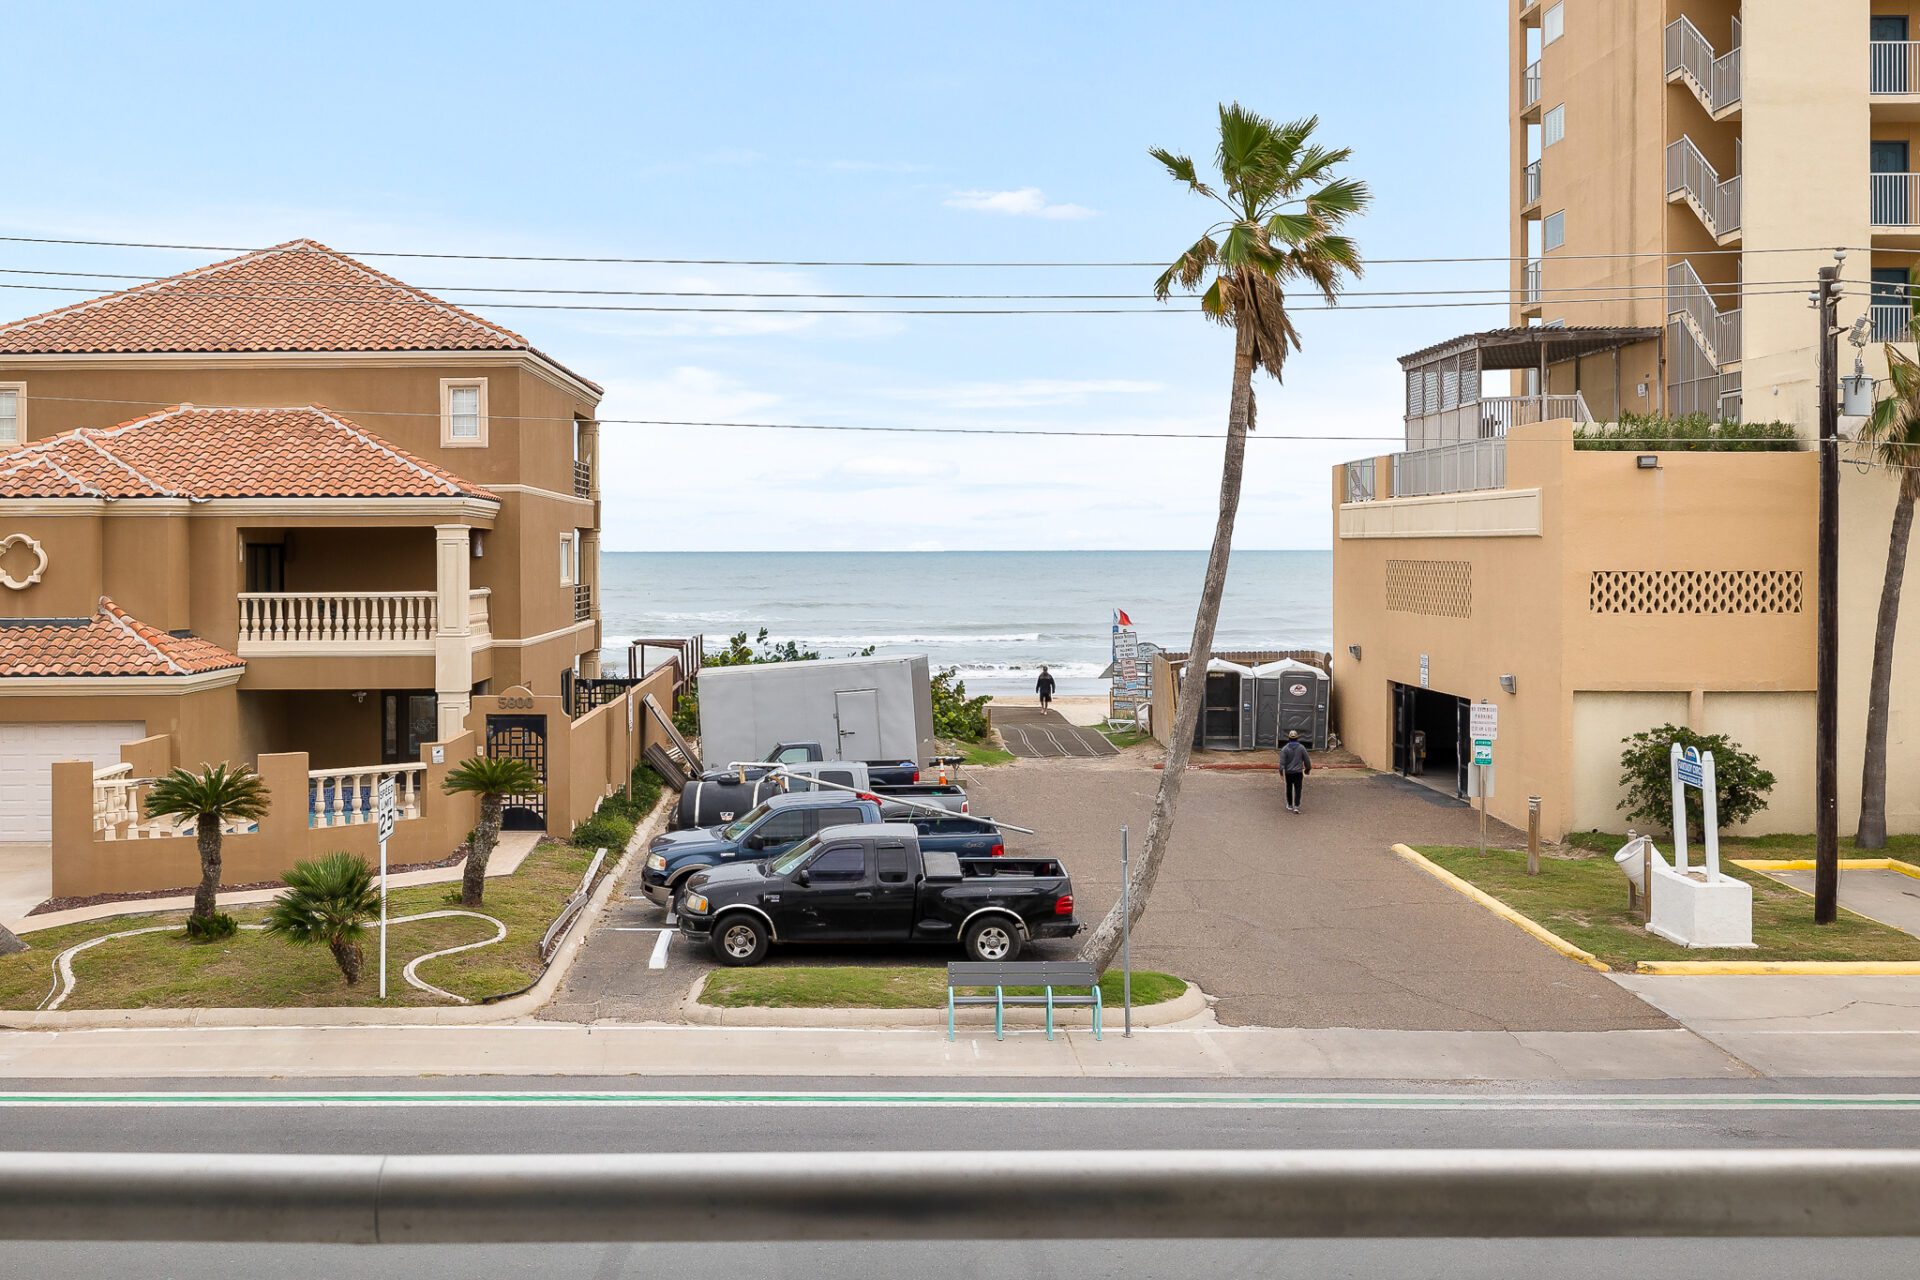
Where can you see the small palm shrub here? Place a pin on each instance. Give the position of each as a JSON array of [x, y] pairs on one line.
[[209, 798], [217, 927], [493, 779], [329, 901]]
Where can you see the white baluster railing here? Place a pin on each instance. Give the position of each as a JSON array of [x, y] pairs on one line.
[[1896, 200], [338, 617], [346, 797], [1716, 202], [1715, 79], [1896, 68]]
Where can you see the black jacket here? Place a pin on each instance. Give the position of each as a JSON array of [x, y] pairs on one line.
[[1044, 685]]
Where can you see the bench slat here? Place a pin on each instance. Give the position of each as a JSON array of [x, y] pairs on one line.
[[973, 973]]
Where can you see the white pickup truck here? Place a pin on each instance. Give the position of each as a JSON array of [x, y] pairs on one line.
[[721, 795]]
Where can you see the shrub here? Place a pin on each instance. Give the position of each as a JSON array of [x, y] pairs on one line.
[[1687, 433], [328, 902], [742, 652], [1741, 785], [217, 927], [609, 827], [955, 715]]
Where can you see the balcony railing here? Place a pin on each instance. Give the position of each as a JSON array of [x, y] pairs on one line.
[[582, 479], [1714, 80], [1896, 200], [338, 617], [1896, 68], [582, 602], [480, 610], [347, 797], [1360, 482], [1533, 183], [1466, 467], [1491, 416], [120, 809], [1717, 331], [1530, 86], [1530, 284], [1689, 175], [1892, 322]]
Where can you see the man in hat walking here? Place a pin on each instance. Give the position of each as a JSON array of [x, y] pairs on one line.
[[1296, 765]]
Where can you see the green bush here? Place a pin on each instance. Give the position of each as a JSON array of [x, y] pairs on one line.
[[955, 715], [1740, 784], [742, 652], [1687, 433], [606, 829], [217, 927]]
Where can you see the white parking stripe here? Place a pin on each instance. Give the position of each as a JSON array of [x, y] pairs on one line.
[[659, 958]]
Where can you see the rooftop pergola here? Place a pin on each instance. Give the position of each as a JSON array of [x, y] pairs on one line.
[[1444, 404]]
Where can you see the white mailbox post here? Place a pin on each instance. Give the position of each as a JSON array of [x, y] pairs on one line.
[[1698, 908]]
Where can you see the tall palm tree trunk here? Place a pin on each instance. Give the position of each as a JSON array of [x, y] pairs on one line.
[[1872, 833], [208, 831], [349, 957], [486, 833], [1104, 943]]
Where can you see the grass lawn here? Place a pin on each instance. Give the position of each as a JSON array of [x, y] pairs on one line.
[[1782, 846], [888, 987], [1583, 898], [979, 753], [1124, 738], [255, 970]]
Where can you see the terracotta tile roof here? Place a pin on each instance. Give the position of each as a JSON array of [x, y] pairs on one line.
[[111, 643], [189, 452], [298, 296]]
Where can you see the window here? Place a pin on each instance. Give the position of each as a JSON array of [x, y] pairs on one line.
[[1553, 23], [1554, 127], [566, 559], [794, 755], [12, 411], [1553, 232], [891, 861], [780, 828], [838, 866], [463, 413], [847, 817]]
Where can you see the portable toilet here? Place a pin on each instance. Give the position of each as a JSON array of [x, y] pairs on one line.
[[1224, 707], [1289, 695]]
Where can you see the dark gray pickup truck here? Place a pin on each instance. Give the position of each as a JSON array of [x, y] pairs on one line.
[[874, 883]]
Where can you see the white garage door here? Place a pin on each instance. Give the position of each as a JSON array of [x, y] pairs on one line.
[[27, 756]]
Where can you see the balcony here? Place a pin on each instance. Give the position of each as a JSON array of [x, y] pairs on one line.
[[1692, 180], [1892, 322], [1360, 481], [1530, 284], [321, 623], [1531, 196], [1895, 204], [1530, 87], [582, 479], [1718, 332], [1691, 61], [1895, 71], [582, 602], [1467, 467]]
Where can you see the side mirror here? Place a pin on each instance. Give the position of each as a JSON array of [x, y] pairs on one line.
[[803, 876], [755, 842]]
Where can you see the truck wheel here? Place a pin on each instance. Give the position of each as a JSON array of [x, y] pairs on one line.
[[740, 939], [994, 938]]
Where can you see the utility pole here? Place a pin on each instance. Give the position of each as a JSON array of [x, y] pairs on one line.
[[1826, 713]]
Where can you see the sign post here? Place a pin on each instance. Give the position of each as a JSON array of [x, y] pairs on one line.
[[1126, 937], [387, 806], [1483, 723]]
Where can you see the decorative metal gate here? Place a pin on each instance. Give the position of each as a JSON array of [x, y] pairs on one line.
[[522, 738]]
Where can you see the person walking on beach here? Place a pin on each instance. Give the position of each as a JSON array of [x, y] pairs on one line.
[[1296, 765], [1044, 687]]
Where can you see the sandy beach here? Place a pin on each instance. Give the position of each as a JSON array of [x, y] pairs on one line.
[[1078, 708]]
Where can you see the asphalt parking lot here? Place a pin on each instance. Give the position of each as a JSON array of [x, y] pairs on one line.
[[1287, 920]]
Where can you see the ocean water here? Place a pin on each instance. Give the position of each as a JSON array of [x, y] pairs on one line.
[[995, 615]]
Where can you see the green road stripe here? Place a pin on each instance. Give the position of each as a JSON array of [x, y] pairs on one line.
[[1435, 1102]]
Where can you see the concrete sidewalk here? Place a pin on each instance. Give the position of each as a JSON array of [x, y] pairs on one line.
[[1784, 1025], [555, 1049]]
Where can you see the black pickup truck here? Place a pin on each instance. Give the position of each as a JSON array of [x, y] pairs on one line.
[[874, 883]]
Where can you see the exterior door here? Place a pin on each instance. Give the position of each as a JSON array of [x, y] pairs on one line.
[[1892, 189], [777, 833], [1892, 66], [890, 914], [838, 897], [266, 565], [857, 712], [522, 738], [408, 721], [28, 753]]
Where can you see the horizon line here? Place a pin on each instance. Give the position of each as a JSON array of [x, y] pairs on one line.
[[946, 551]]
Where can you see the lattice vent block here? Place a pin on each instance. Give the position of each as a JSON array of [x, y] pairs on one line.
[[1438, 588], [1723, 591]]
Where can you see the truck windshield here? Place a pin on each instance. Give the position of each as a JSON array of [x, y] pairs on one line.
[[744, 823], [789, 862]]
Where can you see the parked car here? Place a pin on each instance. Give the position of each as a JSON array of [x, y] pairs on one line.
[[722, 795], [783, 821], [886, 773], [877, 882]]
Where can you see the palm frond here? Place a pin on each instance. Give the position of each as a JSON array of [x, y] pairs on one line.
[[1182, 168], [492, 776], [218, 791]]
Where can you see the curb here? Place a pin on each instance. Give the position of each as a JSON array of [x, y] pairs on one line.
[[1764, 865], [1780, 968], [516, 1006], [1501, 909], [1188, 1004]]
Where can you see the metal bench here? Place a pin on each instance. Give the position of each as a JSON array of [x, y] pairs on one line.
[[1001, 974]]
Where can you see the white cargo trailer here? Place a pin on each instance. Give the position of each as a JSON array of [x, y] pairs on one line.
[[855, 708]]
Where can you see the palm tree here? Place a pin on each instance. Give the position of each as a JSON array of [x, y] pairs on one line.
[[493, 779], [211, 798], [329, 900], [1284, 210], [1892, 436]]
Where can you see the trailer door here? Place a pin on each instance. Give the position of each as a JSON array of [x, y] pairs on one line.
[[857, 712]]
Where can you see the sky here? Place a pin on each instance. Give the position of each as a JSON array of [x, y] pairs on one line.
[[976, 132]]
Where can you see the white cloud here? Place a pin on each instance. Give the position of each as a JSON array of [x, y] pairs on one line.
[[1026, 202]]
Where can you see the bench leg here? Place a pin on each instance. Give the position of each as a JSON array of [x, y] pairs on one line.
[[999, 1013], [949, 1013], [1096, 1012], [1049, 1013]]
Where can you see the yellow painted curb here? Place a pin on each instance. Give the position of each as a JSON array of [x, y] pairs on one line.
[[1764, 865], [1502, 910], [1826, 968]]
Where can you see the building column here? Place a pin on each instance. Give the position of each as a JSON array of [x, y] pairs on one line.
[[590, 574], [453, 636]]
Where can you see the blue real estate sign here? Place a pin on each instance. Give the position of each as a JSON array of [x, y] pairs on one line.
[[1688, 769]]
